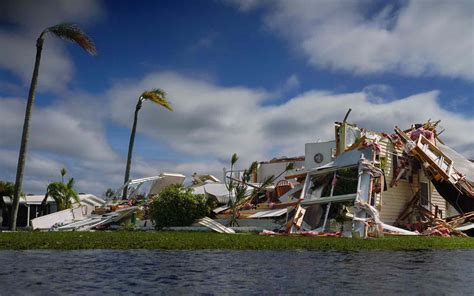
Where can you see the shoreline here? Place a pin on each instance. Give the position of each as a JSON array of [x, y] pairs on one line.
[[172, 240]]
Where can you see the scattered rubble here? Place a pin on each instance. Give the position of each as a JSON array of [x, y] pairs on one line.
[[362, 184]]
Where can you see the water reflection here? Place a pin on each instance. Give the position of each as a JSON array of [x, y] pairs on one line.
[[235, 272]]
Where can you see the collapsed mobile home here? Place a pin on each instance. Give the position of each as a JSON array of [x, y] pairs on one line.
[[361, 184], [366, 183]]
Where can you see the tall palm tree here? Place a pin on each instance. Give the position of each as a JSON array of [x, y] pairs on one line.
[[69, 32], [157, 96]]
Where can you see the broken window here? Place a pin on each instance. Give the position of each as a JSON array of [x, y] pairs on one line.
[[425, 195], [401, 168]]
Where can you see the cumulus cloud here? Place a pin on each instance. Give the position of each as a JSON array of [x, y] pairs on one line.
[[18, 56], [27, 19], [40, 170], [37, 164], [208, 119], [245, 5], [53, 131], [210, 123], [292, 83], [217, 121], [310, 116], [379, 93], [418, 38], [36, 15]]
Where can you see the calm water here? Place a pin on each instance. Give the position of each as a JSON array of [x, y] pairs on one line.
[[235, 272]]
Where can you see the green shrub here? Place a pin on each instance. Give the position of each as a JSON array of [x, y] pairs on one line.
[[177, 206]]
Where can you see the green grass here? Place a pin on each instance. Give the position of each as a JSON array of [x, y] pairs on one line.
[[205, 240]]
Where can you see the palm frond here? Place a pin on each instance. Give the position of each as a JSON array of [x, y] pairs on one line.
[[62, 193], [234, 159], [71, 192], [73, 33], [290, 166], [253, 167], [7, 189], [158, 96]]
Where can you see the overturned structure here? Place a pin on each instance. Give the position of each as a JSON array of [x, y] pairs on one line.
[[408, 179], [366, 183]]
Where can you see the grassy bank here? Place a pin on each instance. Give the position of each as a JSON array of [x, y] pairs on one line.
[[204, 240]]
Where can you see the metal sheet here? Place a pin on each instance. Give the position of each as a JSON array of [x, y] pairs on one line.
[[346, 159], [269, 213], [165, 180], [399, 231], [209, 223], [285, 197], [322, 200], [220, 209], [465, 227]]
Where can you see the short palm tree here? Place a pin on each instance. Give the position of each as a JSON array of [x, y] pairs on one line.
[[7, 188], [157, 96], [70, 32], [62, 193]]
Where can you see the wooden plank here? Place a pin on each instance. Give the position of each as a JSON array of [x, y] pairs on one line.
[[277, 205]]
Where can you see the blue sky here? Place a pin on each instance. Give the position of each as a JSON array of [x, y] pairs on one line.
[[259, 78]]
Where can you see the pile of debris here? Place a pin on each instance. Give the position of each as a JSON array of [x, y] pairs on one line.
[[97, 214], [349, 196], [361, 184]]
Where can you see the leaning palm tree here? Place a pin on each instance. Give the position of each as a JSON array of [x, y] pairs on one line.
[[70, 32], [157, 96]]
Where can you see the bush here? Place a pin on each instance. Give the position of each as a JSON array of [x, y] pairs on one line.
[[177, 206]]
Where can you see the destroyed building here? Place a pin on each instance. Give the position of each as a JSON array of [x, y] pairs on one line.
[[364, 183]]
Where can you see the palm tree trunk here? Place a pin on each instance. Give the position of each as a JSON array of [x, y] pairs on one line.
[[25, 134], [44, 204], [130, 148]]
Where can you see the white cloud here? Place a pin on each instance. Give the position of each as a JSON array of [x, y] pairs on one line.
[[37, 15], [245, 5], [210, 123], [37, 164], [292, 83], [208, 119], [379, 93], [29, 18], [215, 121], [421, 38], [311, 116], [53, 131], [40, 170], [18, 56]]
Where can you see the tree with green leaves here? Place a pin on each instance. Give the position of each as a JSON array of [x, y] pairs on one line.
[[63, 194], [158, 97], [66, 31], [176, 205], [7, 189], [109, 193]]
